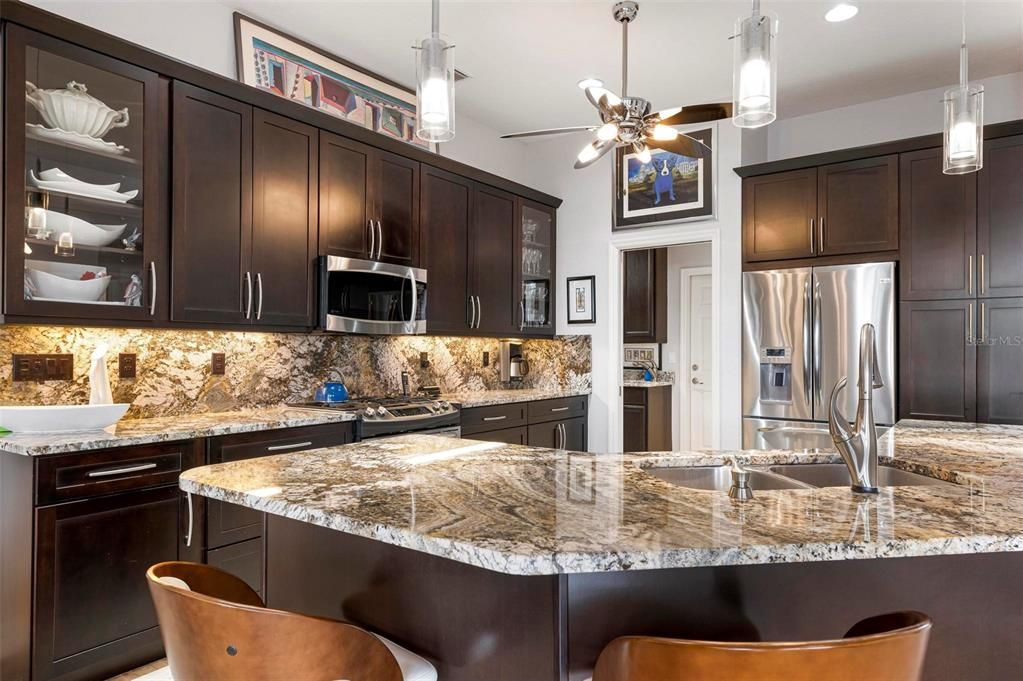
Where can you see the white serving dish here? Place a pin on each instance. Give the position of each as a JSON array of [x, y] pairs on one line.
[[61, 280], [58, 175], [106, 192], [73, 109], [82, 233], [75, 139], [61, 418]]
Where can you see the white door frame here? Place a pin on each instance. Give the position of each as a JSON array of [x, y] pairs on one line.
[[685, 292], [674, 235]]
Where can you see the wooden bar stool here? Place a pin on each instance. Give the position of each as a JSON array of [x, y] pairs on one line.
[[215, 626], [889, 647]]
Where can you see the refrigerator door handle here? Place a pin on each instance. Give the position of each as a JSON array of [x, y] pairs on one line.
[[807, 339], [819, 402]]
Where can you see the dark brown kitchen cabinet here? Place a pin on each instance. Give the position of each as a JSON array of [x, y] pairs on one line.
[[493, 283], [211, 208], [938, 360], [284, 220], [446, 221], [779, 215], [1000, 360], [569, 434], [369, 202], [243, 560], [1000, 218], [858, 206], [646, 419], [645, 296], [510, 436], [536, 255], [110, 264], [938, 226]]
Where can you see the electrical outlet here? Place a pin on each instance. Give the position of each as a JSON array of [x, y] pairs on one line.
[[53, 367], [424, 360], [126, 365], [486, 358], [218, 364]]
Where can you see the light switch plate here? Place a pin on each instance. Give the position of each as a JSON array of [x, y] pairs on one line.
[[218, 364], [50, 367]]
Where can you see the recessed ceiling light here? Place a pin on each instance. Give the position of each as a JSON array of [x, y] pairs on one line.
[[590, 82], [843, 11]]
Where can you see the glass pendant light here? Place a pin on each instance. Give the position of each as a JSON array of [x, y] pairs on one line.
[[754, 74], [964, 120], [435, 85]]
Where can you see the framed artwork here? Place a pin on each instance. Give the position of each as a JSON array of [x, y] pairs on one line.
[[670, 188], [291, 68], [580, 300]]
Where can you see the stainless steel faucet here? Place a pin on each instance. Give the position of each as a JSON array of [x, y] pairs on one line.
[[858, 445]]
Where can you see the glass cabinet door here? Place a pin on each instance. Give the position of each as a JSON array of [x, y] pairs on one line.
[[81, 211], [536, 236]]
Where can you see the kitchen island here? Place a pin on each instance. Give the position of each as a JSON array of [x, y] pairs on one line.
[[508, 563]]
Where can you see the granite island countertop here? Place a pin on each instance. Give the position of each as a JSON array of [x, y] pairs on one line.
[[133, 432], [532, 511], [630, 383], [486, 398]]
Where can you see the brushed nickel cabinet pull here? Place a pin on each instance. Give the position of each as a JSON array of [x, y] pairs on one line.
[[813, 250], [495, 418], [557, 409], [820, 235], [293, 445], [983, 322], [188, 535], [248, 295], [259, 290], [983, 281], [372, 239], [121, 471], [152, 288], [969, 325], [969, 275]]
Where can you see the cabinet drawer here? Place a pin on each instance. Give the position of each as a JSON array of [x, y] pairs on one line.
[[243, 560], [497, 417], [281, 441], [89, 474], [511, 436], [557, 410]]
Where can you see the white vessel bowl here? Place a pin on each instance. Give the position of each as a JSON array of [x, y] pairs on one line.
[[82, 233], [61, 418], [62, 280]]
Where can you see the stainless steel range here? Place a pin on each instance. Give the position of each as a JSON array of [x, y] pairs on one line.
[[384, 416]]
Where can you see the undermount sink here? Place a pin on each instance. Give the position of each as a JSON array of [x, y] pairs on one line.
[[719, 478], [837, 475]]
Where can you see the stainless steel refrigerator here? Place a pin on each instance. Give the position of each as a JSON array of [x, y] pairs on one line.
[[801, 331]]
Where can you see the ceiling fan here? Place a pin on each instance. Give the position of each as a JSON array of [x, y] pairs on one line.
[[627, 121]]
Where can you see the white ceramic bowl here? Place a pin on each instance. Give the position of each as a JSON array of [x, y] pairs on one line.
[[58, 175], [82, 233], [63, 280], [62, 418], [74, 110]]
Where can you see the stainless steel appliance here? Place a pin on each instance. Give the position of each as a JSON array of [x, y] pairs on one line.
[[365, 296], [514, 367], [385, 416], [800, 336]]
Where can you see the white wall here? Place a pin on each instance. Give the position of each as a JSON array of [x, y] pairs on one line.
[[884, 120], [679, 258], [202, 34], [584, 239]]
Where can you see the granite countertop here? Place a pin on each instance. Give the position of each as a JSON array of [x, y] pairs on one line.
[[628, 383], [131, 432], [485, 398], [530, 511]]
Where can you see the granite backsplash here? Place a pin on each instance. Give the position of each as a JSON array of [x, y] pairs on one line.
[[267, 369]]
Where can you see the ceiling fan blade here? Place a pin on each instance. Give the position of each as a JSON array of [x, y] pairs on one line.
[[698, 113], [683, 145], [592, 152], [550, 131], [608, 103]]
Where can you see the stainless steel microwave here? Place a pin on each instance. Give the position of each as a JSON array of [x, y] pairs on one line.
[[365, 296]]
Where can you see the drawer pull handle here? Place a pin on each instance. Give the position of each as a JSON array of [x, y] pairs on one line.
[[293, 445], [554, 409], [121, 471], [495, 418]]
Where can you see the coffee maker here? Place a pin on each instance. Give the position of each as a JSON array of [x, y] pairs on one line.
[[514, 366]]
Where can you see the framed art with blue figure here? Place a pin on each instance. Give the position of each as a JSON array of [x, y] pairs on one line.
[[667, 187]]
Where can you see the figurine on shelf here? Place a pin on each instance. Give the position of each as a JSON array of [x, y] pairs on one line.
[[30, 288], [131, 241], [133, 292]]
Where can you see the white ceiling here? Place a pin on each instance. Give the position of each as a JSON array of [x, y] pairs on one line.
[[524, 58]]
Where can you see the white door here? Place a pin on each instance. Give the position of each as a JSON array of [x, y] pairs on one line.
[[699, 361]]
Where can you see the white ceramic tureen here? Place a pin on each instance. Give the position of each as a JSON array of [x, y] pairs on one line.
[[73, 109]]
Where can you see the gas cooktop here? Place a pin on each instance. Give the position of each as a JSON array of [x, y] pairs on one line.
[[385, 408]]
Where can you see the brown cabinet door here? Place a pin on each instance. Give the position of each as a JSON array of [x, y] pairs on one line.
[[284, 220], [492, 253], [446, 219], [92, 608], [938, 229], [1000, 361], [634, 427], [858, 206], [938, 360], [568, 434], [345, 168], [394, 185], [647, 419], [511, 436], [779, 214], [212, 207], [1000, 218], [243, 560], [574, 431], [645, 296], [535, 261]]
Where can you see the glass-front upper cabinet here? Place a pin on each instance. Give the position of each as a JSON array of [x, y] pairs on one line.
[[82, 214], [536, 239]]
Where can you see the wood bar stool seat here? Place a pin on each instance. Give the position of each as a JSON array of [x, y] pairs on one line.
[[214, 626], [889, 647]]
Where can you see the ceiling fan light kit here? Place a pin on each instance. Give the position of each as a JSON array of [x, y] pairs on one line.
[[964, 119], [435, 84], [755, 70]]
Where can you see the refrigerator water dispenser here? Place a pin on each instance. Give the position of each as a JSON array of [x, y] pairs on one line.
[[776, 374]]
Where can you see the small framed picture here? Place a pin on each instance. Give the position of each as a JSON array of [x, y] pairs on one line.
[[580, 300]]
